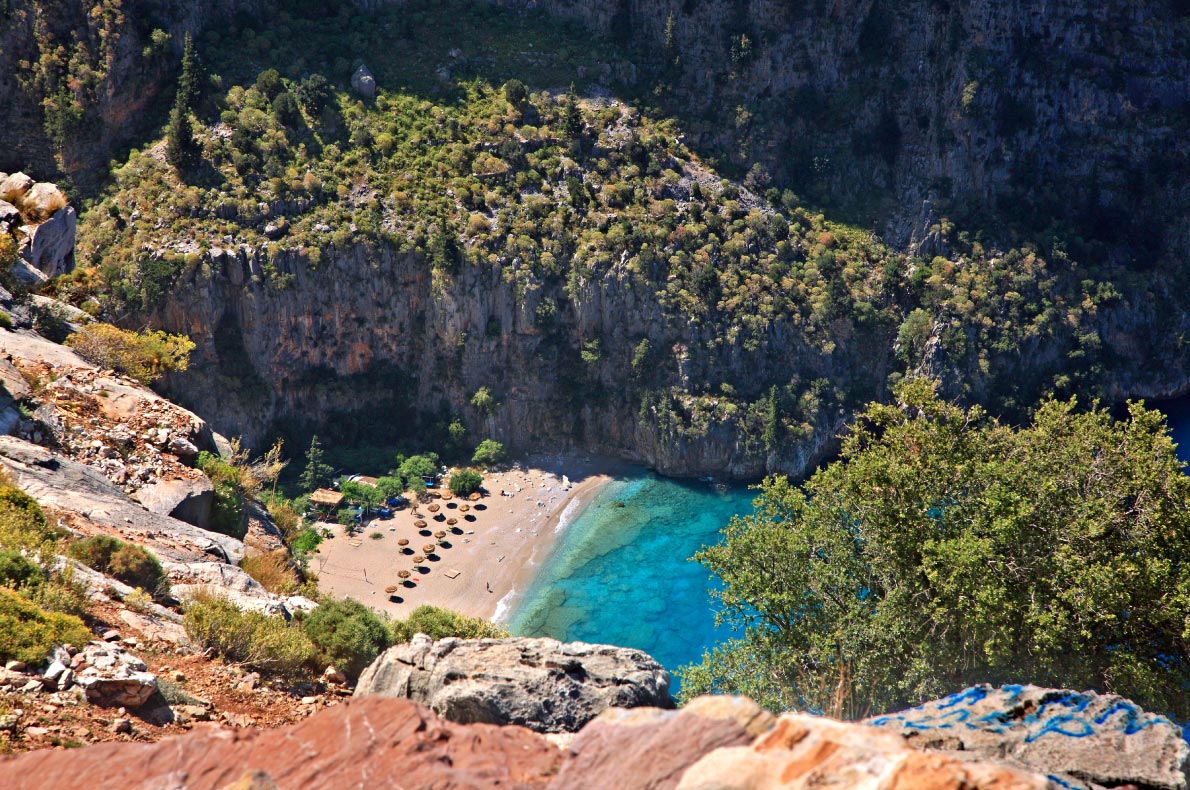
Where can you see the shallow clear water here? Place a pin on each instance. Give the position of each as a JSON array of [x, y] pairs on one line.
[[621, 575]]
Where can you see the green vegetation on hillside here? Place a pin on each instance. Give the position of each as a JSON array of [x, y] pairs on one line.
[[945, 549], [485, 168]]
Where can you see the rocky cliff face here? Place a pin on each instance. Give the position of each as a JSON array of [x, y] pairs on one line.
[[77, 78], [1067, 109], [366, 343]]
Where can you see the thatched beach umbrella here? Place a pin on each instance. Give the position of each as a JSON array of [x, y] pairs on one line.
[[418, 559], [420, 524], [404, 574], [392, 588], [440, 534], [402, 541], [433, 508], [446, 495], [428, 548], [475, 496], [464, 508], [452, 521]]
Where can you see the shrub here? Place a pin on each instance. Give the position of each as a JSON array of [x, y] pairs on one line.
[[286, 517], [439, 623], [130, 564], [17, 571], [489, 453], [144, 356], [265, 643], [22, 524], [465, 481], [347, 633], [28, 633], [273, 571], [305, 541]]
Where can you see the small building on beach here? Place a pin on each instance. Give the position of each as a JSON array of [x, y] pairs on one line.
[[326, 501]]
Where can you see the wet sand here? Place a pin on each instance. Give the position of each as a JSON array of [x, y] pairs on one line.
[[496, 546]]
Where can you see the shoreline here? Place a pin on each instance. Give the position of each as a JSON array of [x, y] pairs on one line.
[[497, 547]]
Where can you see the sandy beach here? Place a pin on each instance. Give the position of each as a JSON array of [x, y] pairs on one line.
[[496, 545]]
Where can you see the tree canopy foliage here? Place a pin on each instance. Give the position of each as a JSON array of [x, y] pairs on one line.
[[944, 548]]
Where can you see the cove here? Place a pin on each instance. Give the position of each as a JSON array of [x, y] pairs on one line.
[[620, 573]]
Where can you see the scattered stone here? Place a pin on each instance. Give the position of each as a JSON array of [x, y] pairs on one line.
[[309, 700], [123, 726], [541, 684], [111, 636], [9, 721], [113, 677], [177, 676], [36, 731], [32, 685], [332, 675], [252, 780], [249, 681], [53, 671], [1080, 737], [16, 666]]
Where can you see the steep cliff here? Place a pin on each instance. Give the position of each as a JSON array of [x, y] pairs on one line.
[[372, 265]]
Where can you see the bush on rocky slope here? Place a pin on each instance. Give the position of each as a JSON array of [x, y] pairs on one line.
[[28, 632], [131, 564]]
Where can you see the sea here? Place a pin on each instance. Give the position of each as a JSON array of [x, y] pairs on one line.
[[621, 573]]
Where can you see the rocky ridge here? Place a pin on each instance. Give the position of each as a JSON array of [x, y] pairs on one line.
[[714, 743]]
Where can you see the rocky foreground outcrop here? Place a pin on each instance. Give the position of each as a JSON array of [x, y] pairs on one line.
[[714, 743], [1101, 738], [542, 684]]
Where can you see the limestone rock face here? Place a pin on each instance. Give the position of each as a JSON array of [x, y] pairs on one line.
[[542, 684], [42, 200], [363, 83], [185, 500], [50, 245], [1086, 739], [365, 743]]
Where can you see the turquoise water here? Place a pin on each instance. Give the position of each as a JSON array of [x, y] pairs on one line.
[[620, 575]]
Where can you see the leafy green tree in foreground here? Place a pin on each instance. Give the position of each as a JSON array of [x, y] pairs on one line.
[[944, 549]]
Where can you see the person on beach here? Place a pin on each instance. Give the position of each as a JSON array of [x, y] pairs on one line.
[[488, 585]]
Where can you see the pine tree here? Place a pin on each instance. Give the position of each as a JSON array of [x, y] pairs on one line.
[[317, 472], [572, 116], [189, 87], [181, 149]]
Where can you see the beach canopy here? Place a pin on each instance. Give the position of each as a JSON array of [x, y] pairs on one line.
[[419, 524], [452, 521], [433, 508], [440, 534], [447, 495], [402, 541], [326, 497], [474, 497], [428, 548], [404, 574], [392, 588], [418, 560], [464, 508]]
